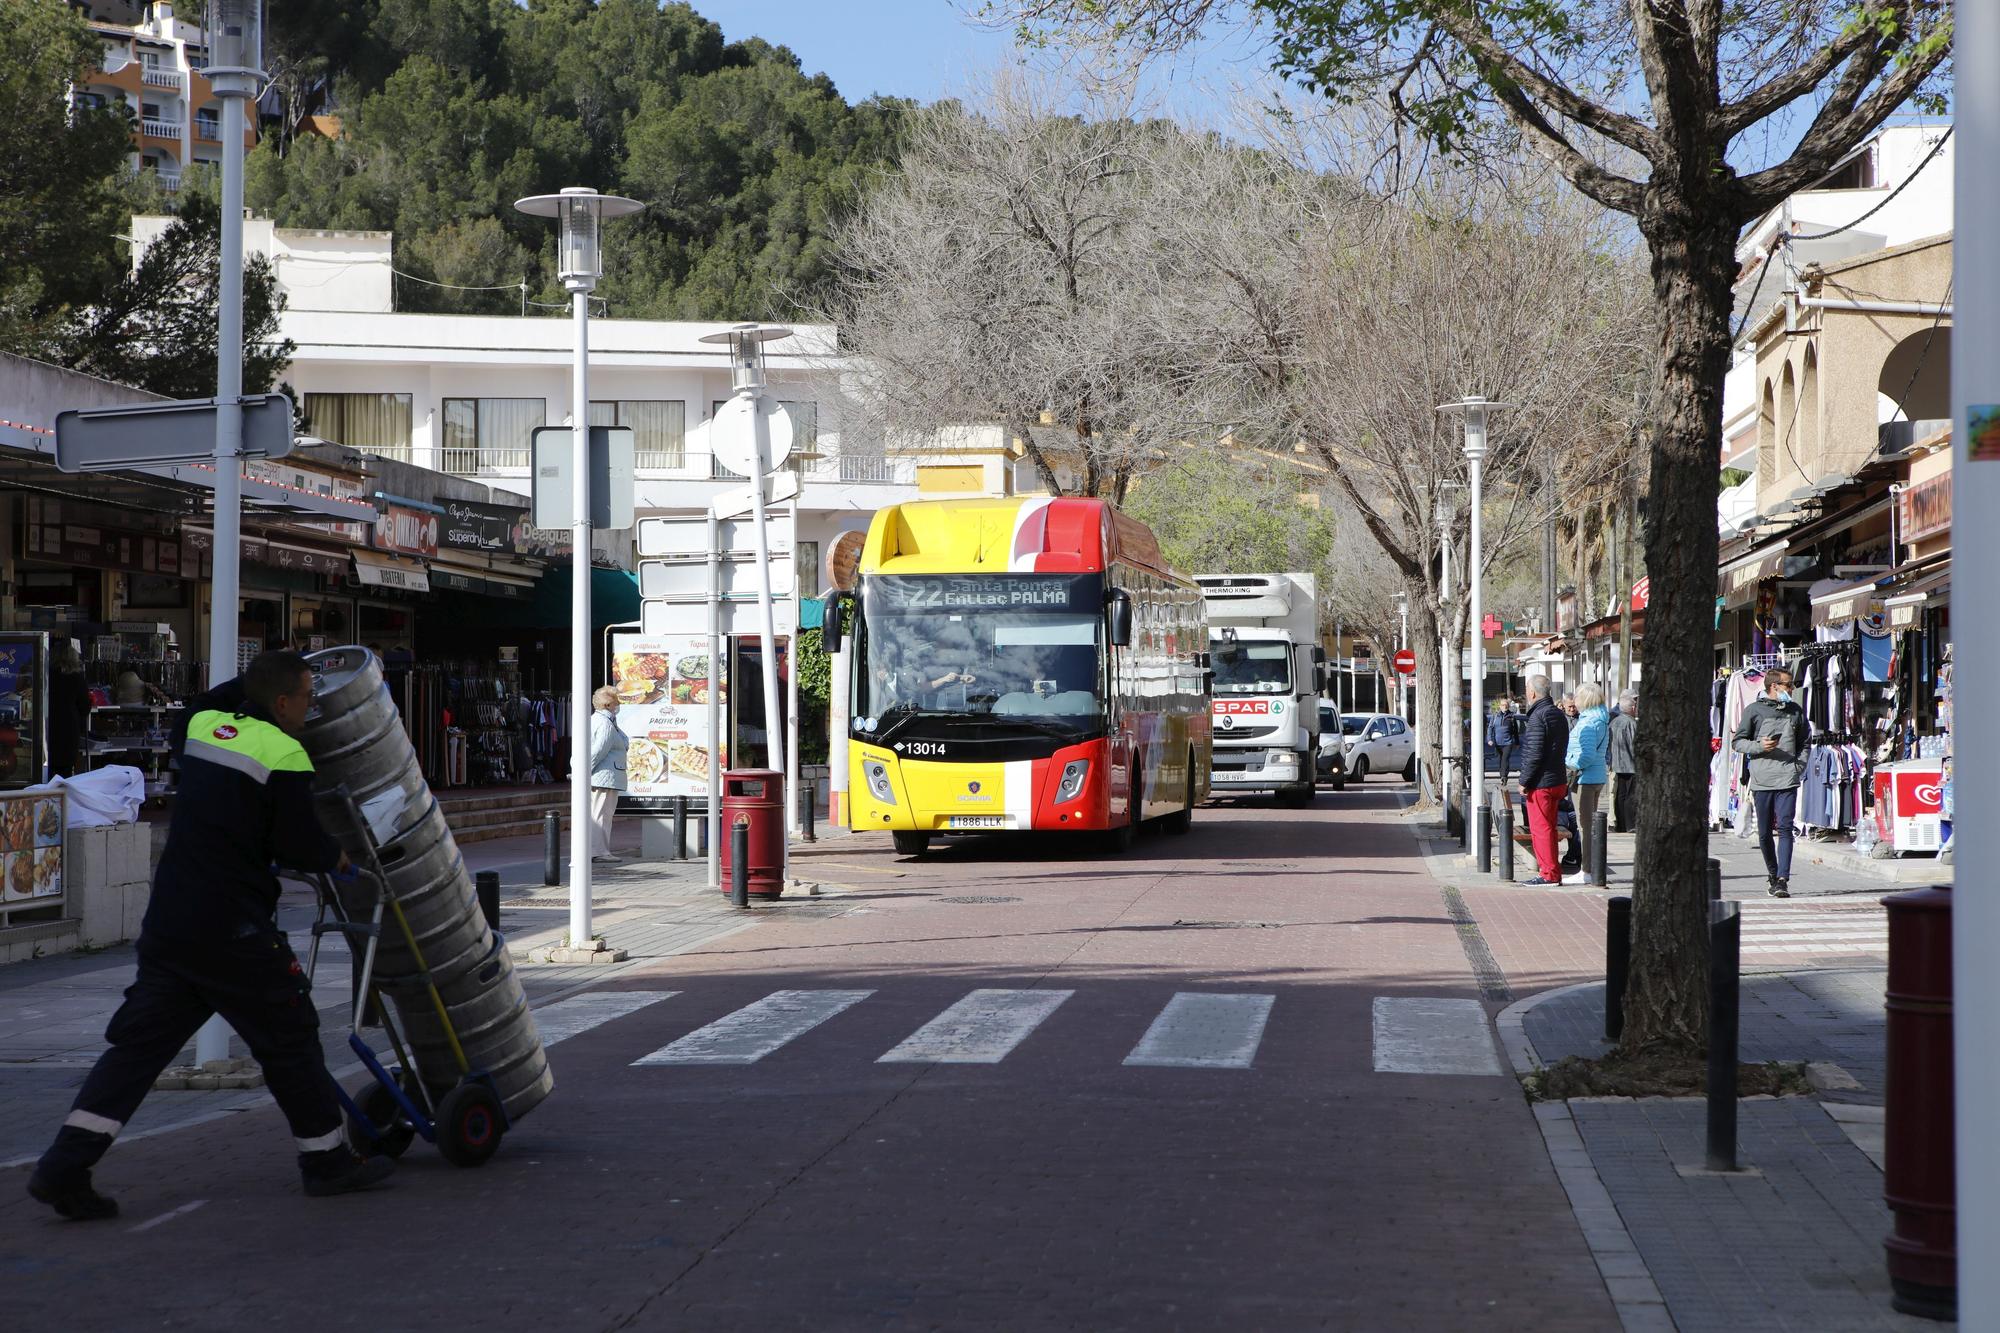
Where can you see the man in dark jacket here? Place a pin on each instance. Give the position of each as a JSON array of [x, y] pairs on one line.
[[1544, 782], [1621, 755], [210, 944], [1773, 734]]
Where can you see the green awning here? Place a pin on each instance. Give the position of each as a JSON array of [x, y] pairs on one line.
[[614, 598]]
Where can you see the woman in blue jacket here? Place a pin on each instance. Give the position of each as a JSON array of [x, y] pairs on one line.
[[1588, 738]]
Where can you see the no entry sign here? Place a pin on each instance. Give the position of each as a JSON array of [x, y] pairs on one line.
[[1405, 661]]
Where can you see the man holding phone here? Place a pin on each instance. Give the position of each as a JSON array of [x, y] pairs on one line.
[[1773, 733]]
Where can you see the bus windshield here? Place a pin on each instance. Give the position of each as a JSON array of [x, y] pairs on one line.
[[1249, 667], [995, 647]]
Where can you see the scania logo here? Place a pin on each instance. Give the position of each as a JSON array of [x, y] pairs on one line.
[[972, 787], [225, 733]]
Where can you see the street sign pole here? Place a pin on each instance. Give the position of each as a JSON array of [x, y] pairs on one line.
[[234, 88], [792, 704], [717, 742], [579, 639], [774, 756]]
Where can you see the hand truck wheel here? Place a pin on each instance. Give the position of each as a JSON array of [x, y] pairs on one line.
[[380, 1106], [469, 1124]]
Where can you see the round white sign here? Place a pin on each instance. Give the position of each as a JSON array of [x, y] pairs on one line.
[[731, 434]]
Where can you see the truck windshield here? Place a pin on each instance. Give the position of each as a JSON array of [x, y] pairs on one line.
[[1251, 668], [990, 646]]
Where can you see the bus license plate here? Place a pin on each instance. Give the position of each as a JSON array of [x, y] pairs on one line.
[[977, 821]]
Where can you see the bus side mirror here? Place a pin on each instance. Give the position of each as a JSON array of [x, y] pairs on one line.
[[1121, 618], [838, 611]]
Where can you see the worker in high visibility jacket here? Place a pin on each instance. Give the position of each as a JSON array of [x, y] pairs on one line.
[[210, 945]]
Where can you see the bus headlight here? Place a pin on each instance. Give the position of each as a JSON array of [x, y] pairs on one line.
[[878, 781], [1074, 774]]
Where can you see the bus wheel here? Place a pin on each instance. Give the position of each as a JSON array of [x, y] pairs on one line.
[[1120, 839], [910, 842], [1181, 820]]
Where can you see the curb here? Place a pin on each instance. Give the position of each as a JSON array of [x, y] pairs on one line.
[[1634, 1295]]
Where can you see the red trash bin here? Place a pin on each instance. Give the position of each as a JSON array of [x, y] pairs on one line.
[[755, 797]]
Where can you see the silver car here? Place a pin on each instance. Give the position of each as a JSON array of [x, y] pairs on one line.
[[1378, 743]]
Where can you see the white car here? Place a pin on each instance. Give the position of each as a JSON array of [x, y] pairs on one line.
[[1378, 743]]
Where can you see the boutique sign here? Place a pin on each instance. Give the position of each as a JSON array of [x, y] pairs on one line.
[[468, 525]]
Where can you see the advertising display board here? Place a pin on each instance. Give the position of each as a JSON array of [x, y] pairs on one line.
[[31, 849], [662, 684]]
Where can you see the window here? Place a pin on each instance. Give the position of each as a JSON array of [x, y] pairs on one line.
[[805, 563], [481, 434], [375, 423], [659, 428], [208, 125]]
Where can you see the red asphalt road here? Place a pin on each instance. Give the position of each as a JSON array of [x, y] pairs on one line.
[[818, 1189]]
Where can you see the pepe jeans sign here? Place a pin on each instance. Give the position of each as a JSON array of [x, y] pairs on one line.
[[1926, 508], [468, 525]]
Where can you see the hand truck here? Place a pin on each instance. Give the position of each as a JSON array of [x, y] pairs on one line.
[[467, 1120]]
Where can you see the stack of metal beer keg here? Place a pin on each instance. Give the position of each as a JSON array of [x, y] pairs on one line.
[[355, 738]]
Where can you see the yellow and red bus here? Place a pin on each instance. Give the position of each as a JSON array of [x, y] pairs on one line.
[[1023, 663]]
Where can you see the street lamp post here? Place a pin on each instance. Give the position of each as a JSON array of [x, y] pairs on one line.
[[235, 33], [580, 213], [1472, 412]]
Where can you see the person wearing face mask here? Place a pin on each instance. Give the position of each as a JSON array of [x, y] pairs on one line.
[[1773, 734]]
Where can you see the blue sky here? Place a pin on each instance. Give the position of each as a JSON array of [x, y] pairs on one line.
[[926, 49]]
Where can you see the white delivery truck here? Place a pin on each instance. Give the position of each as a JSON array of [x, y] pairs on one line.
[[1268, 668]]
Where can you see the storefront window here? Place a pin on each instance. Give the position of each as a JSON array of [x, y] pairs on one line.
[[375, 423]]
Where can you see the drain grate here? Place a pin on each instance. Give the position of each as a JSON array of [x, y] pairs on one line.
[[980, 898], [1229, 925]]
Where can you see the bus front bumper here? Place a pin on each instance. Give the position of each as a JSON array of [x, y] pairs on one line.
[[1065, 790]]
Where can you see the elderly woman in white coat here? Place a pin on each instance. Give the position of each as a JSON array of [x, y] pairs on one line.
[[607, 770]]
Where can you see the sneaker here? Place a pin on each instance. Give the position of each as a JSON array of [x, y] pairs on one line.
[[76, 1199], [1539, 880], [1779, 887], [340, 1171], [1578, 878]]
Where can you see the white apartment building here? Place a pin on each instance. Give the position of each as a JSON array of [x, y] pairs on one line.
[[153, 65], [1894, 189]]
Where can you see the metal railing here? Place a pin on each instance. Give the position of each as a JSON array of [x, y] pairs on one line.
[[473, 462], [208, 129], [169, 180], [399, 453]]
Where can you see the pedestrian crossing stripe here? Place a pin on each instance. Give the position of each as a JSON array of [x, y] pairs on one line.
[[980, 1029], [756, 1030], [580, 1013], [1200, 1030]]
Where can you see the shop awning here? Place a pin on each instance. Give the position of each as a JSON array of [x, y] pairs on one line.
[[1830, 525], [373, 569], [27, 462], [1739, 578], [1907, 601], [1851, 601], [614, 597], [487, 578]]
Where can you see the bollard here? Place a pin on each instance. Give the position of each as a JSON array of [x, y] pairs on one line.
[[739, 864], [1617, 963], [808, 790], [1600, 851], [551, 848], [1918, 1123], [487, 885], [1454, 819], [680, 827], [1725, 936], [1714, 880], [1506, 840], [1482, 838], [701, 835]]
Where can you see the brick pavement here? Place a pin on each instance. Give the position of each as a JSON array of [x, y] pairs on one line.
[[821, 1189]]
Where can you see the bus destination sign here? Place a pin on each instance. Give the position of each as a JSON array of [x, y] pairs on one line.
[[986, 592]]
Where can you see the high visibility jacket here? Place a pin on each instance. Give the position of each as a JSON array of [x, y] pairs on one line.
[[244, 802]]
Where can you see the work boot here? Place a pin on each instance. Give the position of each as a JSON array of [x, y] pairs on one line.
[[73, 1197], [341, 1171], [1780, 887]]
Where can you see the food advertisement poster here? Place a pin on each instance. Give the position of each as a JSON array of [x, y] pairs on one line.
[[31, 848], [662, 684]]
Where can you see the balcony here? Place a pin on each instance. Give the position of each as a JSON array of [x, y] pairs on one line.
[[208, 129], [158, 76], [159, 129], [690, 464]]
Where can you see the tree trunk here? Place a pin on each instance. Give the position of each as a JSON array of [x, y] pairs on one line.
[[1693, 261], [1430, 676]]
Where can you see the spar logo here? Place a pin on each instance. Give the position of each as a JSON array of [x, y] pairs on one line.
[[1241, 707], [225, 732]]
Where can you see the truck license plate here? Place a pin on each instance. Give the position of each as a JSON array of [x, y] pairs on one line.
[[977, 821]]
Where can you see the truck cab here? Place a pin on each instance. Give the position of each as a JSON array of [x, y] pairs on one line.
[[1267, 670]]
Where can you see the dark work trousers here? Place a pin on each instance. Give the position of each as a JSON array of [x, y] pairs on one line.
[[1775, 812], [256, 984], [1624, 801]]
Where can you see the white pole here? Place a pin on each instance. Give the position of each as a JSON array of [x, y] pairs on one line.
[[1447, 670], [716, 750], [1475, 456], [792, 699], [1338, 706], [774, 756], [212, 1042], [1975, 537], [579, 657]]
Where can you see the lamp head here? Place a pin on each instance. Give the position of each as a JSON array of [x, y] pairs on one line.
[[579, 212], [746, 351], [235, 33]]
